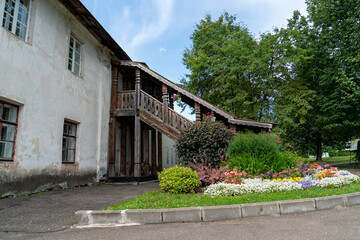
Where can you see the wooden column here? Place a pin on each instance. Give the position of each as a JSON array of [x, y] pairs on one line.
[[123, 150], [233, 128], [112, 123], [159, 152], [197, 112], [145, 140], [153, 152], [165, 103], [137, 131]]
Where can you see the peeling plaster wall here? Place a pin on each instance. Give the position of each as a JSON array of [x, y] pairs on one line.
[[35, 76]]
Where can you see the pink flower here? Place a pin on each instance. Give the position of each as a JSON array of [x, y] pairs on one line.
[[269, 131], [278, 141]]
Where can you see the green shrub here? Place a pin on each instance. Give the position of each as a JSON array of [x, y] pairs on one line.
[[178, 180], [204, 140], [259, 153]]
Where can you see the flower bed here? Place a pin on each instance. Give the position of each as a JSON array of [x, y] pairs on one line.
[[291, 179]]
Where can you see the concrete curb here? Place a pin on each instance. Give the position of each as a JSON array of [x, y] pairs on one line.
[[215, 213]]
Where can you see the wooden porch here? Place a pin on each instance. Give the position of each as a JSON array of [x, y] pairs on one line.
[[142, 111]]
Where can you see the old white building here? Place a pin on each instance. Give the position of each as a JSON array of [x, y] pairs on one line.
[[63, 79], [54, 95]]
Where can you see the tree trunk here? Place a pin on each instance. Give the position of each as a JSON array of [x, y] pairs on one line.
[[318, 148]]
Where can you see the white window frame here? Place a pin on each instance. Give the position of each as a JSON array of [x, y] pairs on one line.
[[15, 18], [72, 56]]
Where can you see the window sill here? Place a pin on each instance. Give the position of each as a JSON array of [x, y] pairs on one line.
[[6, 160], [70, 163]]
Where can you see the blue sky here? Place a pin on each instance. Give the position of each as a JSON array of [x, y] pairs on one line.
[[158, 31]]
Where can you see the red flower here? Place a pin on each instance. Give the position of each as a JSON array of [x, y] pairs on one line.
[[278, 141]]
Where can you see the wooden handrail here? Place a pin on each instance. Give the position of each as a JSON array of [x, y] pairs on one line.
[[126, 100]]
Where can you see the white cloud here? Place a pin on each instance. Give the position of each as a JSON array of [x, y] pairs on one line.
[[162, 49], [153, 29]]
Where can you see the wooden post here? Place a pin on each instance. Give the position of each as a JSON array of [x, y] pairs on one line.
[[159, 152], [165, 103], [153, 152], [145, 140], [233, 128], [123, 150], [112, 123], [197, 112], [137, 131]]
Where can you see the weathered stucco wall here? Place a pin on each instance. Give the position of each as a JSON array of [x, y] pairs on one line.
[[34, 75]]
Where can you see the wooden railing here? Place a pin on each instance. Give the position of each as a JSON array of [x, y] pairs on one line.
[[151, 105], [126, 100], [177, 121]]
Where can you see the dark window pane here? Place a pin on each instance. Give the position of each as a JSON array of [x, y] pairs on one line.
[[64, 143], [6, 149], [64, 155], [65, 128], [71, 155], [72, 129], [71, 144], [8, 132], [10, 113]]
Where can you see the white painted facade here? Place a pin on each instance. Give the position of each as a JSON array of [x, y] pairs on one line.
[[35, 76]]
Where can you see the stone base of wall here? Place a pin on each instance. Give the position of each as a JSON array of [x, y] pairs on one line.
[[12, 185]]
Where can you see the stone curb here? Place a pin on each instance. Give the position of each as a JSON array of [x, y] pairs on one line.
[[215, 213]]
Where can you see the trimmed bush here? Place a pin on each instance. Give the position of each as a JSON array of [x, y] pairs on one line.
[[204, 140], [259, 153], [178, 180]]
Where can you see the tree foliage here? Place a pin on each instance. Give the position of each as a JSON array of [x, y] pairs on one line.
[[305, 76]]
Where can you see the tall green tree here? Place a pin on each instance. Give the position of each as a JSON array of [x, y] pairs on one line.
[[326, 64], [231, 69]]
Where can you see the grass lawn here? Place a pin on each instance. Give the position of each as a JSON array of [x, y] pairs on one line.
[[334, 159], [158, 200]]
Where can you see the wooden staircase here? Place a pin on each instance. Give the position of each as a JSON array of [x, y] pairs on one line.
[[152, 112]]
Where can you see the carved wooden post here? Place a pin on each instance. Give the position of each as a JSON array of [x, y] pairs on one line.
[[165, 103], [197, 112], [137, 131], [112, 127], [233, 128]]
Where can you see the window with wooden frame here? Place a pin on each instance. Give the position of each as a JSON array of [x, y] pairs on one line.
[[69, 142], [16, 17], [74, 64], [8, 125]]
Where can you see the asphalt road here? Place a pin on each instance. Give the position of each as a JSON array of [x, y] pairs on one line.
[[340, 223], [49, 216]]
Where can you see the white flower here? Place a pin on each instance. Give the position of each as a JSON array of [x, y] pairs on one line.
[[261, 186]]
